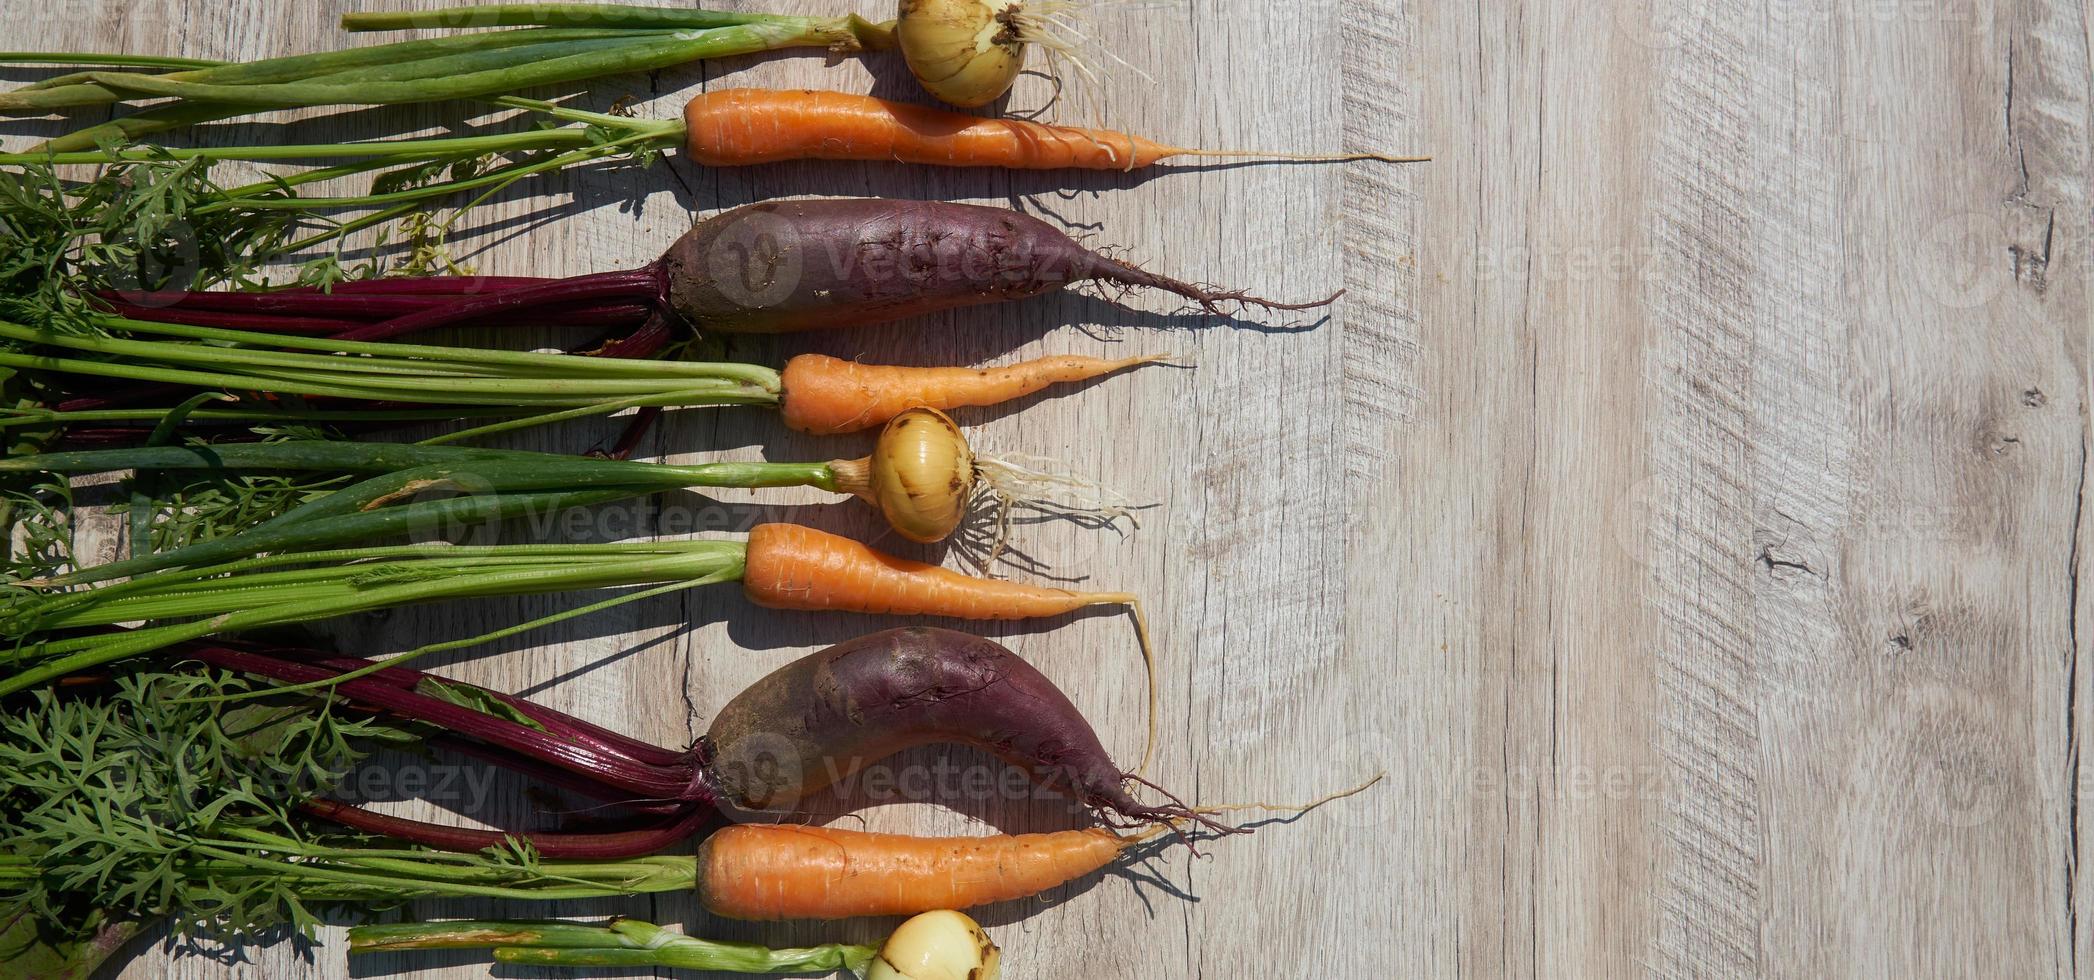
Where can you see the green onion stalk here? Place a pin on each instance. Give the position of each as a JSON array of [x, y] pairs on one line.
[[57, 627], [548, 44], [932, 946], [621, 943], [923, 475]]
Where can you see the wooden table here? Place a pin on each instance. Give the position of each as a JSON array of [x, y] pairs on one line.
[[1684, 506]]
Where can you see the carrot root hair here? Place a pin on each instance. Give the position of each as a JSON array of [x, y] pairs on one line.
[[1148, 652], [1141, 638], [1348, 157]]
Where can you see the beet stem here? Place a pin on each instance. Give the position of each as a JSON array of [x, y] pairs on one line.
[[407, 678], [653, 335], [555, 777], [356, 306], [567, 749], [129, 397], [426, 285], [632, 284], [635, 430], [550, 844], [259, 322]]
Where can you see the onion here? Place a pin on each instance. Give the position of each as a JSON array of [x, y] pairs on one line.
[[966, 52], [938, 946], [923, 477], [923, 474]]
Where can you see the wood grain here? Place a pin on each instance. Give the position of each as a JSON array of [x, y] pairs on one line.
[[1685, 506]]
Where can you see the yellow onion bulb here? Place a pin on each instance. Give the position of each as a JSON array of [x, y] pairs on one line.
[[938, 946], [921, 475], [965, 52]]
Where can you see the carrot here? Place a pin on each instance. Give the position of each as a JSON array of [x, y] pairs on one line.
[[59, 632], [795, 567], [367, 382], [825, 395], [781, 871], [739, 126], [768, 872]]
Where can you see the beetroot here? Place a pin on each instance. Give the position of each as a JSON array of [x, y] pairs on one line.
[[824, 716], [789, 735], [782, 266], [771, 267]]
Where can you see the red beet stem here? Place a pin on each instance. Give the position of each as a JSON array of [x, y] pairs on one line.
[[647, 341], [643, 284], [543, 774], [424, 285], [550, 844], [347, 306], [408, 679], [569, 750], [100, 437], [259, 322], [595, 315], [590, 315], [653, 335]]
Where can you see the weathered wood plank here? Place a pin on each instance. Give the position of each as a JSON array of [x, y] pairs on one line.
[[1733, 359]]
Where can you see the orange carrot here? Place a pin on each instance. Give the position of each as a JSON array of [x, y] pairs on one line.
[[738, 126], [796, 567], [767, 872], [826, 395]]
